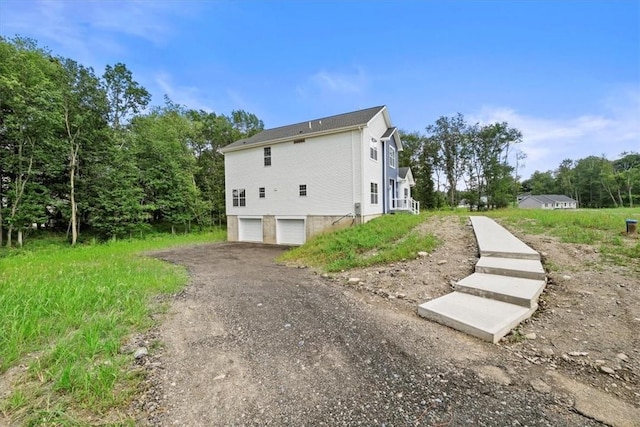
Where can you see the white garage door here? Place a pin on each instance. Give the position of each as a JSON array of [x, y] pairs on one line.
[[290, 231], [250, 229]]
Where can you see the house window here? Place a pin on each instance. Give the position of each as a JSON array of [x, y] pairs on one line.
[[373, 149], [374, 193], [261, 192], [303, 190], [267, 156], [239, 197], [392, 157]]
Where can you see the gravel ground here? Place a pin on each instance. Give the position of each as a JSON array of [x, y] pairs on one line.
[[250, 342]]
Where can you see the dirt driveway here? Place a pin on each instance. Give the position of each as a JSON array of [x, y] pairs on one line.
[[250, 342]]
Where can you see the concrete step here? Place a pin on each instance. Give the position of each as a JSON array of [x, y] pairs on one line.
[[496, 241], [523, 268], [513, 290], [484, 318]]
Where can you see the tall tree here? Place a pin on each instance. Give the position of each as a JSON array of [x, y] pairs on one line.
[[84, 111], [167, 164], [28, 101], [450, 135], [627, 170], [125, 96]]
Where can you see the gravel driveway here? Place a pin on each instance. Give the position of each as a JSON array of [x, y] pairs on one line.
[[250, 342]]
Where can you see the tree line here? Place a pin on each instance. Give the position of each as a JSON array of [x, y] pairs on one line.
[[594, 182], [82, 152], [454, 161]]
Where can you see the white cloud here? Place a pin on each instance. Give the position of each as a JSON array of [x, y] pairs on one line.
[[547, 141], [189, 96], [330, 83], [84, 29]]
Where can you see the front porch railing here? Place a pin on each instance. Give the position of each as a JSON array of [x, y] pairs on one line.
[[407, 204]]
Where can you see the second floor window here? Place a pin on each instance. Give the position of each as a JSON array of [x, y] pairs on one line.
[[239, 197], [373, 149], [303, 190], [261, 192], [392, 157], [267, 156]]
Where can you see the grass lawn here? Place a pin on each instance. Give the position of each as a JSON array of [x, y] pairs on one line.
[[64, 314], [382, 240], [603, 228]]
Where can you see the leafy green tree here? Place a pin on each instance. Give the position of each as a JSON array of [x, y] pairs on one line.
[[627, 170], [450, 135], [565, 179], [540, 183], [84, 111], [30, 117], [419, 154], [125, 96], [167, 164], [588, 178]]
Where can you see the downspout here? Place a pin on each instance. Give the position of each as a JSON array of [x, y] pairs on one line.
[[383, 186], [363, 156]]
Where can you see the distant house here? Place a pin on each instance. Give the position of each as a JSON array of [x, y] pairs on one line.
[[547, 201], [286, 184]]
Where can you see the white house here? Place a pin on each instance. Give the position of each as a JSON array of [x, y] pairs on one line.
[[286, 184], [547, 201]]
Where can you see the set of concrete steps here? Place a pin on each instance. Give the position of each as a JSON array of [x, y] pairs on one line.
[[502, 292]]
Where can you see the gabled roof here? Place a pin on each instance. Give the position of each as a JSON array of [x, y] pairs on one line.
[[405, 173], [551, 198], [310, 128]]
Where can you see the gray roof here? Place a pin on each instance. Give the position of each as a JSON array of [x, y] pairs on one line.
[[552, 198], [388, 133], [311, 127], [402, 172]]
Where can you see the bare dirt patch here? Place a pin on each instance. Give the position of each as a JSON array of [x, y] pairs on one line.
[[250, 342]]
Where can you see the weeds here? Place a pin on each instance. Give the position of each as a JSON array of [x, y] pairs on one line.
[[602, 228], [382, 240], [66, 311]]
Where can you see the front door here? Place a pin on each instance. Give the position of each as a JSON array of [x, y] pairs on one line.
[[392, 194]]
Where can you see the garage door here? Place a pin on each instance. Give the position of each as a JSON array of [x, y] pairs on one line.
[[250, 229], [290, 231]]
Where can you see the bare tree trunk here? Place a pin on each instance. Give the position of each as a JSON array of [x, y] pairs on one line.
[[620, 198], [20, 238], [9, 235], [74, 208], [73, 164]]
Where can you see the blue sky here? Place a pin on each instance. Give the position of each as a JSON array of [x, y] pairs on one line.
[[566, 73]]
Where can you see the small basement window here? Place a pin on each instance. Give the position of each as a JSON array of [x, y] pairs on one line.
[[303, 190]]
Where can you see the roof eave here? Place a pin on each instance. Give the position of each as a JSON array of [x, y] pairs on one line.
[[228, 149]]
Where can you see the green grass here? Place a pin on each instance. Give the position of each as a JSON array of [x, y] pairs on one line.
[[383, 240], [602, 228], [65, 312]]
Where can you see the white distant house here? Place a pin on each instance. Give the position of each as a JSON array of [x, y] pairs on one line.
[[547, 201], [286, 184]]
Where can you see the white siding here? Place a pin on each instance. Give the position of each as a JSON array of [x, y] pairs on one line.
[[372, 169], [324, 164]]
